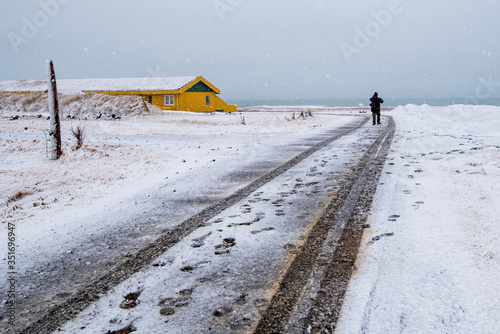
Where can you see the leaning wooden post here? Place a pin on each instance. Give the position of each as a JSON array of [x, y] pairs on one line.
[[55, 126]]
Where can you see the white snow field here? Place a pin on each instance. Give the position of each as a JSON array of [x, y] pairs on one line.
[[429, 263]]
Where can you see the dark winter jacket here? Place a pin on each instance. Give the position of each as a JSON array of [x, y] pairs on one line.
[[375, 103]]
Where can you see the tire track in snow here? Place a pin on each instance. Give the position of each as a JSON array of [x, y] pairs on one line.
[[310, 295], [59, 314]]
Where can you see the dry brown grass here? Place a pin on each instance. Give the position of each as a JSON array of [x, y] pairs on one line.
[[18, 196], [88, 105]]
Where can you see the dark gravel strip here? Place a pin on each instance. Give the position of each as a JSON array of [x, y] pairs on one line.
[[61, 313], [326, 311], [344, 217]]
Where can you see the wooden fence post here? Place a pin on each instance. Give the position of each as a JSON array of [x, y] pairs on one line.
[[55, 126]]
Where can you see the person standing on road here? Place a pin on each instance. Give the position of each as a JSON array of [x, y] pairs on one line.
[[375, 104]]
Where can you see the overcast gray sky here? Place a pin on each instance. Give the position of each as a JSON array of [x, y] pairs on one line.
[[263, 49]]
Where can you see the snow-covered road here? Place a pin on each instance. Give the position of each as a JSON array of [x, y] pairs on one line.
[[222, 276], [68, 247]]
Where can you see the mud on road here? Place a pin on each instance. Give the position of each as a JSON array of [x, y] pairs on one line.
[[308, 295]]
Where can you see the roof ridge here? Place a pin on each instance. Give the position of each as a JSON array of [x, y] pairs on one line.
[[102, 84]]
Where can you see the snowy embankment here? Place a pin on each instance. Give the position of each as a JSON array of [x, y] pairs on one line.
[[430, 262], [80, 106]]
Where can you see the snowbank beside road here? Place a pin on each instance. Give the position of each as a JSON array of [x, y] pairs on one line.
[[454, 119], [431, 259]]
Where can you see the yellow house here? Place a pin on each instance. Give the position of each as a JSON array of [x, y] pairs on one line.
[[167, 93]]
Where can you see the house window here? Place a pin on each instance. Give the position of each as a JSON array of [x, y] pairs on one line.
[[208, 100], [169, 100], [150, 99]]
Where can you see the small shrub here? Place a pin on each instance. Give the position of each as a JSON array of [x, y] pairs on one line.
[[79, 135]]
